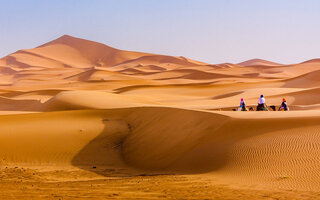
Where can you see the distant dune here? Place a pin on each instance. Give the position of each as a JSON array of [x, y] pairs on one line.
[[256, 61], [317, 60]]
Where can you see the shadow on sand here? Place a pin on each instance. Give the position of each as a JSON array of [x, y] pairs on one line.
[[141, 148]]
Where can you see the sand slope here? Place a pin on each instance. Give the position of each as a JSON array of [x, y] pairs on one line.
[[198, 142]]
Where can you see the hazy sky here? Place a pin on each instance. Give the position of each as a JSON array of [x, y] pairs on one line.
[[213, 31]]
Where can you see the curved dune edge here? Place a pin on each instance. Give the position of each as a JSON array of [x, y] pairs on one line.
[[77, 100], [280, 150]]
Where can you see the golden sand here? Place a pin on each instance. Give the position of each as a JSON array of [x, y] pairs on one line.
[[82, 120]]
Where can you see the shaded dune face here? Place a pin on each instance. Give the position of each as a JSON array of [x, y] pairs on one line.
[[105, 149], [171, 141]]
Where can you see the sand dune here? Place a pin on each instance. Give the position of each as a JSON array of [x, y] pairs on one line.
[[109, 114], [99, 74], [74, 100], [38, 148], [311, 79], [94, 53], [159, 59], [305, 97], [7, 71], [316, 60], [19, 105], [152, 68], [255, 62]]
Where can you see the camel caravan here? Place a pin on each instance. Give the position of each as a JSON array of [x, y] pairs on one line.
[[262, 106]]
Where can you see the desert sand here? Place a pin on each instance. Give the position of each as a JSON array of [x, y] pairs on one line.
[[82, 120]]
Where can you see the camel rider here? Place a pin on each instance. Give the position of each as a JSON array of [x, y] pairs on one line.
[[262, 104], [242, 105], [284, 105]]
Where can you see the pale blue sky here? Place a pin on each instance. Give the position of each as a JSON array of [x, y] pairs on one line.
[[213, 31]]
